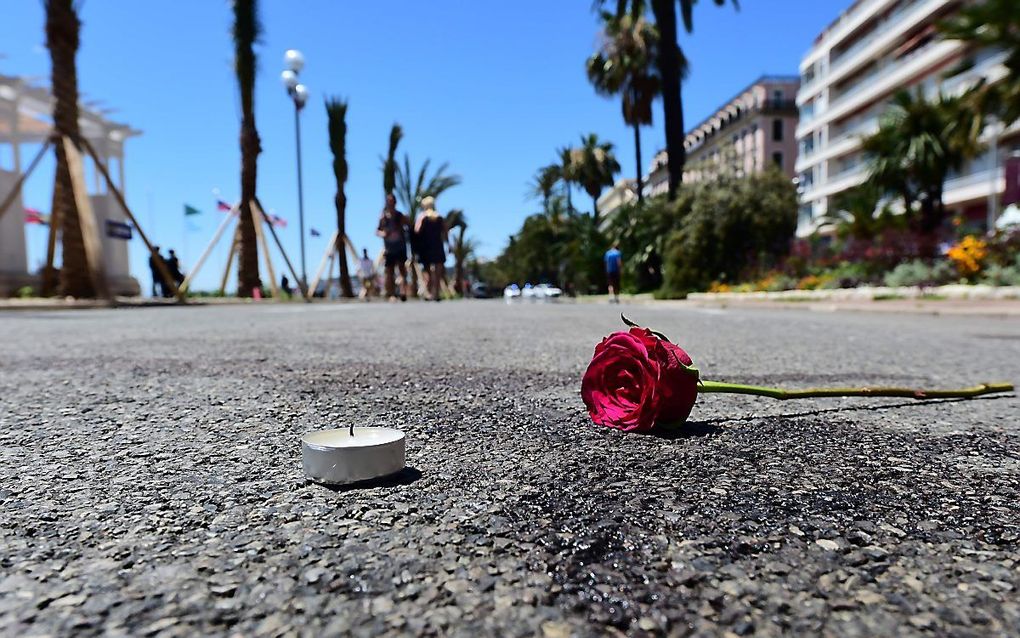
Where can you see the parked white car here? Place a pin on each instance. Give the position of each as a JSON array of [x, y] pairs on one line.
[[547, 291]]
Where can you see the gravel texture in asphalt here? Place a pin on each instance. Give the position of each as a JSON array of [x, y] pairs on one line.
[[151, 482]]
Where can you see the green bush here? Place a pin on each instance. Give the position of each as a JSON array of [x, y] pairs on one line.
[[996, 275], [920, 273], [735, 229]]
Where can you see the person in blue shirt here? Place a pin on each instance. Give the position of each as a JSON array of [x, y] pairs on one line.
[[614, 264]]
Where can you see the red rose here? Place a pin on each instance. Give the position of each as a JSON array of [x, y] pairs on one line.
[[636, 379], [678, 384]]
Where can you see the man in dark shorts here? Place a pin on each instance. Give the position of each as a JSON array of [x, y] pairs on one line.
[[614, 264], [393, 230]]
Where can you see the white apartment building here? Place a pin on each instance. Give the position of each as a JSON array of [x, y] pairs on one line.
[[856, 65]]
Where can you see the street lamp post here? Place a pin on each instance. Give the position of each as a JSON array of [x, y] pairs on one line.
[[299, 94]]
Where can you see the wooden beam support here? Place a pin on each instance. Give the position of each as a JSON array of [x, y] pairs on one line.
[[21, 179], [266, 257], [87, 220], [164, 272], [208, 249]]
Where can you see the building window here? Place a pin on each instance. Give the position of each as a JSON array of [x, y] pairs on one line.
[[777, 157], [777, 130], [777, 95]]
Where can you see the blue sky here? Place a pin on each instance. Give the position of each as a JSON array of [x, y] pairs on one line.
[[493, 88]]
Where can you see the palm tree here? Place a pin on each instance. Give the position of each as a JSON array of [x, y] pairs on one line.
[[596, 168], [411, 192], [670, 61], [544, 183], [246, 33], [389, 168], [62, 29], [459, 247], [992, 24], [624, 65], [919, 141], [568, 170], [854, 211], [336, 112]]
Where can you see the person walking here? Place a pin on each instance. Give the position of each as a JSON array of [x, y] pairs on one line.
[[285, 286], [431, 231], [366, 273], [157, 278], [174, 265], [393, 230], [614, 264]]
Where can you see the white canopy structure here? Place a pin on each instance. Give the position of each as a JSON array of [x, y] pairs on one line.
[[26, 121]]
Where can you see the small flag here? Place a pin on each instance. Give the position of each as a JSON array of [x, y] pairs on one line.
[[191, 210], [315, 233], [278, 221], [223, 206], [33, 216]]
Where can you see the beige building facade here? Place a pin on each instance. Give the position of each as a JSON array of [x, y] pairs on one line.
[[750, 132], [754, 130]]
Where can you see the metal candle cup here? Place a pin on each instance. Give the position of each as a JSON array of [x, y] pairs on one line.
[[349, 455]]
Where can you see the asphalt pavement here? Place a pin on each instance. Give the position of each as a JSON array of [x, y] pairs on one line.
[[151, 482]]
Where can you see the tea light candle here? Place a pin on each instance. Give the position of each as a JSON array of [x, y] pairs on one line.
[[352, 454]]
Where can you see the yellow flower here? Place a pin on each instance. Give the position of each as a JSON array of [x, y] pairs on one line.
[[968, 255]]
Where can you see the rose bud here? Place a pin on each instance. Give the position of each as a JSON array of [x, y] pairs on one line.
[[621, 385]]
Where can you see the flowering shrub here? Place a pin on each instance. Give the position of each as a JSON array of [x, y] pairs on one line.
[[968, 255], [814, 282]]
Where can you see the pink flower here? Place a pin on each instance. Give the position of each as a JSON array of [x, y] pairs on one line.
[[636, 379], [621, 385]]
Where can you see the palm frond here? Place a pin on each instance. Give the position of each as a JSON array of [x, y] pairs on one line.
[[336, 113], [390, 163]]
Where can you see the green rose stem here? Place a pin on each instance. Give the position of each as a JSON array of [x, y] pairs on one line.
[[910, 393]]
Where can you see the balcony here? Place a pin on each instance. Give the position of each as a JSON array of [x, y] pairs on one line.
[[890, 22], [884, 81], [779, 107]]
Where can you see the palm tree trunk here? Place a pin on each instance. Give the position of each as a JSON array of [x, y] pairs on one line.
[[637, 156], [341, 246], [246, 32], [62, 31], [247, 257], [672, 101], [595, 210]]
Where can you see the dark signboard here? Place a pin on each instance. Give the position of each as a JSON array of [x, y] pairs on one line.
[[118, 230]]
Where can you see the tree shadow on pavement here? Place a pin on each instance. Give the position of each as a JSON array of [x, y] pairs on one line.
[[708, 427]]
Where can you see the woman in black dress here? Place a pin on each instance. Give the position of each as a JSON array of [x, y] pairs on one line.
[[431, 233]]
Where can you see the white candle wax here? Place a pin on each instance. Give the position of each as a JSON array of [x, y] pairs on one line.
[[338, 457]]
